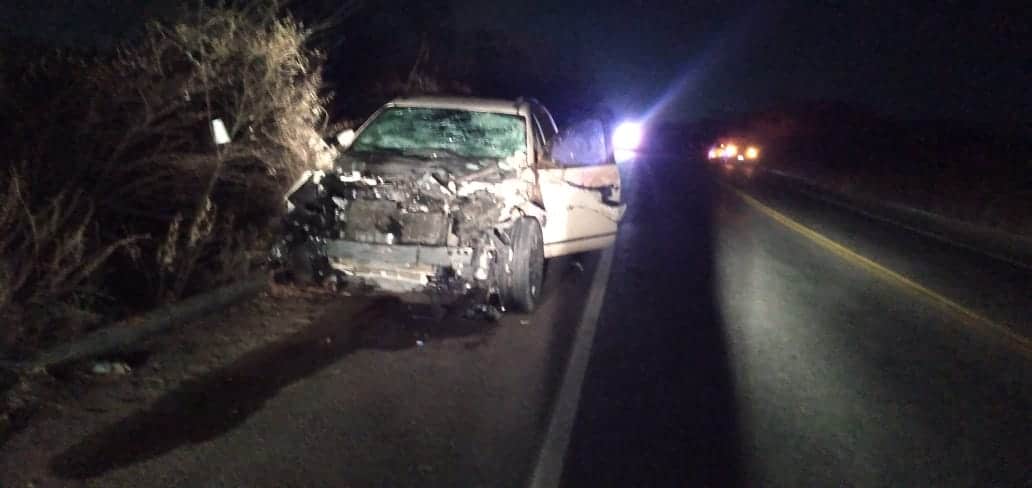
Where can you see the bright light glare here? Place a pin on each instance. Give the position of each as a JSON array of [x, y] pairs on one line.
[[628, 135], [752, 153], [731, 150], [624, 156], [712, 153]]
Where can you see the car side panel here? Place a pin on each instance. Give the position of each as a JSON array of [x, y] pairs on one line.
[[583, 208]]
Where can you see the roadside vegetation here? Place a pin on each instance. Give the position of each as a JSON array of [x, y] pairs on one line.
[[114, 198]]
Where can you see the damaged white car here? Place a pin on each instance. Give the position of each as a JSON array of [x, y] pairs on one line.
[[451, 195]]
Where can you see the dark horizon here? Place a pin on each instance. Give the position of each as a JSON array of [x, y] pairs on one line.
[[919, 61]]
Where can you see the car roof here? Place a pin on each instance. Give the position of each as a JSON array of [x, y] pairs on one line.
[[495, 105]]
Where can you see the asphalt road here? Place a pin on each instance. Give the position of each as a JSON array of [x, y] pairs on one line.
[[730, 350], [745, 353]]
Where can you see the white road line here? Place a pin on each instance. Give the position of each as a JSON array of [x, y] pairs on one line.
[[548, 470]]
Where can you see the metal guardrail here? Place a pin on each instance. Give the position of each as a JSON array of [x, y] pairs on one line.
[[123, 335]]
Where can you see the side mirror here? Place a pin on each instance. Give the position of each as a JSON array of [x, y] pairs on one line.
[[346, 137], [583, 144]]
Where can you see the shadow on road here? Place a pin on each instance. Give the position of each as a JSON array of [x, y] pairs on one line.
[[658, 402], [205, 408]]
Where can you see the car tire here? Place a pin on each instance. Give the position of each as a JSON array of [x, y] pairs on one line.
[[522, 286]]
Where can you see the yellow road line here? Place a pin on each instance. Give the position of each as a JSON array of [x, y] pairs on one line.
[[1021, 343]]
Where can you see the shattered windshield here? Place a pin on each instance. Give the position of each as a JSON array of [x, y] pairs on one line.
[[463, 133]]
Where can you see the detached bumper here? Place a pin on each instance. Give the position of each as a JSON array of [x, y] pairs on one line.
[[399, 268]]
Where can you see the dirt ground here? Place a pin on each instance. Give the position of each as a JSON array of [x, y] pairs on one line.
[[55, 411]]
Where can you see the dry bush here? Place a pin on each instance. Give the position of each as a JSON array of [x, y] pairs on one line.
[[112, 150], [247, 67], [47, 256]]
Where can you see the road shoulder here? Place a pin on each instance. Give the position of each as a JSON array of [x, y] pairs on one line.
[[1009, 248]]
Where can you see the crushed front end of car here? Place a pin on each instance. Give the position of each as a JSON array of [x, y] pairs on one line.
[[402, 224]]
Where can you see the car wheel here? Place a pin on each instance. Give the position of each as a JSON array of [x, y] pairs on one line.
[[526, 267]]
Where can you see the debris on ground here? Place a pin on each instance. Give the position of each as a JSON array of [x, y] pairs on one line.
[[101, 368], [483, 311]]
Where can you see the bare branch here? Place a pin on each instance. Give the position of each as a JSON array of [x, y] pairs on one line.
[[135, 152]]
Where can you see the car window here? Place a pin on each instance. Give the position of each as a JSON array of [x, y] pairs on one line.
[[541, 149], [547, 125], [465, 133], [539, 140]]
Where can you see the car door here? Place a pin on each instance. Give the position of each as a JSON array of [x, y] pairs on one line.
[[580, 188]]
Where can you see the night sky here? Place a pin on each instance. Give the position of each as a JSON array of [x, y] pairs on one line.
[[911, 59], [968, 61]]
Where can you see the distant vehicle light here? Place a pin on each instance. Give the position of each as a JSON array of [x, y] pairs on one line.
[[731, 150], [712, 153], [752, 153], [628, 135], [741, 158]]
